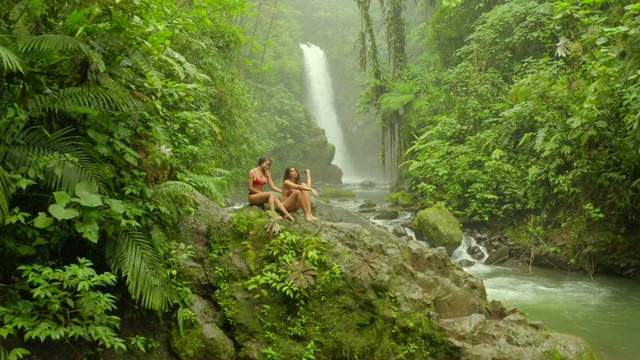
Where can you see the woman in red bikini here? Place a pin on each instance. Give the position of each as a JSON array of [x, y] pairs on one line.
[[258, 177], [296, 195]]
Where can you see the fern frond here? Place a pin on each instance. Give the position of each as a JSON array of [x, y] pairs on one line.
[[10, 61], [174, 188], [147, 67], [158, 237], [191, 69], [72, 166], [51, 42], [81, 100], [133, 255], [209, 185], [174, 64], [390, 102], [6, 190]]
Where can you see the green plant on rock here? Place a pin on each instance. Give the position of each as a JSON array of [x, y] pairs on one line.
[[290, 265], [244, 221], [365, 266], [300, 273], [273, 228]]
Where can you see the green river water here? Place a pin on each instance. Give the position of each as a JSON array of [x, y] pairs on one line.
[[605, 310]]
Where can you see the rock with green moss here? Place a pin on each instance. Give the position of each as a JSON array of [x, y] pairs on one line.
[[335, 192], [342, 287], [401, 198], [203, 342], [440, 227]]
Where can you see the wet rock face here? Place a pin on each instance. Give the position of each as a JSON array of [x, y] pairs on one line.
[[497, 256], [475, 252], [426, 286]]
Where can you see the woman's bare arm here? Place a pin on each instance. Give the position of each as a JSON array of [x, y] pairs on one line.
[[270, 182], [309, 178], [302, 187]]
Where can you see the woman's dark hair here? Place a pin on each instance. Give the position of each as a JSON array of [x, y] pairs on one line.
[[287, 174], [263, 159]]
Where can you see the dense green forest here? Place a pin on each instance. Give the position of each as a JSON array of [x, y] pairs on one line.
[[114, 112], [516, 112]]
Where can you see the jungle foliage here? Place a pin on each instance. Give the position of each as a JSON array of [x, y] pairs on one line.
[[112, 115], [523, 109]]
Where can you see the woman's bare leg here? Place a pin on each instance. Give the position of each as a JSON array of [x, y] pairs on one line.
[[261, 198], [304, 202], [281, 207], [296, 201], [291, 203], [307, 197], [266, 197]]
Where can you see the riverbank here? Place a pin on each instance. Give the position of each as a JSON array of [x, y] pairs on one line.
[[599, 307]]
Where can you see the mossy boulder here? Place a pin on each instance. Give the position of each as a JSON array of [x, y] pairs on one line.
[[401, 198], [440, 227], [202, 343], [335, 192]]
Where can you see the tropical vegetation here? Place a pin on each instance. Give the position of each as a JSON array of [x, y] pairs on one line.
[[515, 112], [115, 114]]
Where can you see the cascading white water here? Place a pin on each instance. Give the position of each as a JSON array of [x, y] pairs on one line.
[[462, 252], [322, 103]]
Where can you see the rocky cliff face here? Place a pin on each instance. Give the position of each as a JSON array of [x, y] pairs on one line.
[[341, 288]]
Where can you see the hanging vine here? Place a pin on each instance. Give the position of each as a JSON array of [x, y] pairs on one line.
[[379, 78]]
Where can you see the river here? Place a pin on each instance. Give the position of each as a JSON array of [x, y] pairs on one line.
[[605, 310]]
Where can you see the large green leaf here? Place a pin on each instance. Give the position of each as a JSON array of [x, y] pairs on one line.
[[87, 194], [59, 212]]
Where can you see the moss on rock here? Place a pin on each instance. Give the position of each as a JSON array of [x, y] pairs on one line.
[[440, 227], [333, 192], [401, 198]]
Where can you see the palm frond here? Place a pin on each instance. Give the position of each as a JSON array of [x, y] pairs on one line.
[[133, 255], [6, 189], [51, 42], [72, 164], [9, 60], [81, 100]]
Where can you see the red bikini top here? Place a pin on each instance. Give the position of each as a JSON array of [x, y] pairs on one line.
[[257, 180]]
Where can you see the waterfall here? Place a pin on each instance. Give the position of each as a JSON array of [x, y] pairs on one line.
[[322, 105]]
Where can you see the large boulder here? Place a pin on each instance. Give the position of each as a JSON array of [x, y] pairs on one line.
[[372, 295], [440, 227], [205, 341]]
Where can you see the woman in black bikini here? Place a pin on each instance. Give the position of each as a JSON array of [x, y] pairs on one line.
[[296, 195], [258, 177]]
